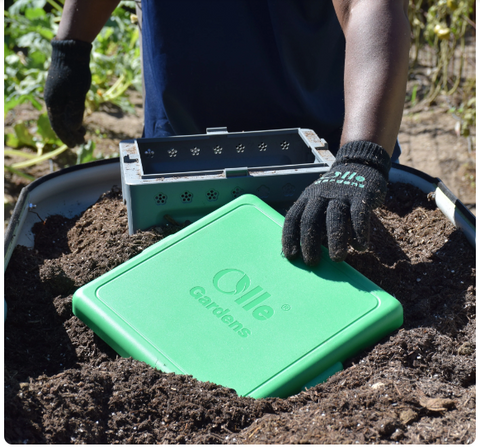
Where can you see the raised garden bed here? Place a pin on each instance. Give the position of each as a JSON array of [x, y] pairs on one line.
[[64, 385]]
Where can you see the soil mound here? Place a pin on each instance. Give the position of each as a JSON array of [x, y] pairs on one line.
[[64, 385]]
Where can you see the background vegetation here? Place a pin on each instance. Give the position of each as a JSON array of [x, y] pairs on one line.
[[441, 32], [440, 69], [29, 26]]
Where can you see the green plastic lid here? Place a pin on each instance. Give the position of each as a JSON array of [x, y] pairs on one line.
[[218, 301]]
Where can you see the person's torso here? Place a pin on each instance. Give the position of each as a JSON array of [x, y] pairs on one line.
[[242, 64]]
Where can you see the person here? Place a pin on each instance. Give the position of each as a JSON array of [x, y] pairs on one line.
[[338, 67]]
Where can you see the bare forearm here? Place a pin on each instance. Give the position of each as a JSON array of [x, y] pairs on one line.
[[377, 33], [84, 19]]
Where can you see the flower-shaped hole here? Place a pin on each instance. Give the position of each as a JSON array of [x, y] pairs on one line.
[[212, 195], [187, 197], [237, 192], [288, 190], [161, 199]]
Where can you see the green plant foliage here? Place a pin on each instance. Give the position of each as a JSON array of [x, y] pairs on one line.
[[38, 159], [22, 174], [21, 137], [27, 31], [29, 26], [43, 137], [85, 152], [443, 26], [44, 129], [115, 57]]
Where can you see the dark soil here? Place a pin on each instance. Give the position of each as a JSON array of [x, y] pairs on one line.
[[417, 386]]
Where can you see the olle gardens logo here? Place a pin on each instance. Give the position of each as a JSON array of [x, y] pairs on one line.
[[348, 178], [234, 283]]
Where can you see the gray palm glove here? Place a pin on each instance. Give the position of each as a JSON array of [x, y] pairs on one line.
[[335, 210]]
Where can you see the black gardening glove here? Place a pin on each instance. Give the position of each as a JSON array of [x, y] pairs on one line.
[[67, 84], [335, 210]]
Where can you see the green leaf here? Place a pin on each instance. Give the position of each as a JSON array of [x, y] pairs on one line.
[[14, 101], [37, 59], [9, 105], [6, 51], [36, 104], [45, 130], [85, 152], [35, 13], [21, 138], [20, 5], [11, 140], [46, 33]]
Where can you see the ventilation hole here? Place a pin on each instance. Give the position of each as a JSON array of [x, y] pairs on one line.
[[172, 152], [195, 151], [149, 153], [237, 192], [217, 150], [240, 148], [161, 199], [187, 197], [262, 146], [263, 192], [288, 190], [212, 195], [285, 145]]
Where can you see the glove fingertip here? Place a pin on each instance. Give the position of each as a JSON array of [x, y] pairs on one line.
[[291, 231], [338, 255], [76, 137], [339, 230], [361, 228], [290, 244], [71, 141], [359, 245], [290, 253], [312, 260]]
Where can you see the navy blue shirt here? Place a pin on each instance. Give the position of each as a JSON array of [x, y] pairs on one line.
[[242, 64]]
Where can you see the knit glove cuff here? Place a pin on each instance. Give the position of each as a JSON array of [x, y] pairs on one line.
[[70, 52], [365, 153]]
